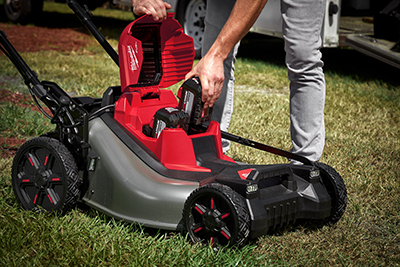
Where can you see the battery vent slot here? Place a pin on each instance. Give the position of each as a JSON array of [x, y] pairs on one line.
[[151, 71]]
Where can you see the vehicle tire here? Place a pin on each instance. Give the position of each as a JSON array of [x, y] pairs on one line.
[[191, 14], [336, 188], [22, 11], [45, 176], [217, 215]]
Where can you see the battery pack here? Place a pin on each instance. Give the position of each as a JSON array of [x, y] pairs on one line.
[[190, 102], [169, 118]]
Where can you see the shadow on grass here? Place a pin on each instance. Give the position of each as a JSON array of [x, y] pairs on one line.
[[342, 61], [131, 226], [306, 226], [110, 27]]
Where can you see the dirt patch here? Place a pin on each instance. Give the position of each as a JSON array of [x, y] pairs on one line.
[[20, 100], [9, 146], [33, 38], [15, 98]]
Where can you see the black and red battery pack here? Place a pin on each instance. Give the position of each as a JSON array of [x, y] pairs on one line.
[[169, 118], [155, 55], [190, 102]]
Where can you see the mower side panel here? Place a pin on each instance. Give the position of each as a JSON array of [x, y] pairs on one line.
[[124, 187], [278, 206]]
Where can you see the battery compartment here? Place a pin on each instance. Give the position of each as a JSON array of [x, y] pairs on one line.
[[155, 55]]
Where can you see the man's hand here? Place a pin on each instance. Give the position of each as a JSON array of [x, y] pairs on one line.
[[210, 70], [155, 8]]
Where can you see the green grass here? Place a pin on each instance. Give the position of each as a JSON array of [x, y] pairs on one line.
[[362, 117], [14, 121]]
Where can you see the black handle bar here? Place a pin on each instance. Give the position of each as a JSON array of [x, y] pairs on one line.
[[84, 16]]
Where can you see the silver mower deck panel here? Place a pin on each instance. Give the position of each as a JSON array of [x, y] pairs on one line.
[[128, 189]]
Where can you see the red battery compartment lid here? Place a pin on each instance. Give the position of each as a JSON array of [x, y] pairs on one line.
[[153, 55]]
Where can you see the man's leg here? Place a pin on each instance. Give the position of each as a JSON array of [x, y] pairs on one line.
[[218, 12], [302, 23]]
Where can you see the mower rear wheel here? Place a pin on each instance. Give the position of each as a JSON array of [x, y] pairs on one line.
[[217, 215], [45, 176], [336, 189]]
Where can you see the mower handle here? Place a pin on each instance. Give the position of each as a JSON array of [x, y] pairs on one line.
[[56, 99], [30, 77], [265, 147], [260, 146], [84, 16]]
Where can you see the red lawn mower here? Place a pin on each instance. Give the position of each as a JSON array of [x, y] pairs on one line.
[[141, 155]]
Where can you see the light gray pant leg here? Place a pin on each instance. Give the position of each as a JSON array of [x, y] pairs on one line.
[[302, 23], [218, 12]]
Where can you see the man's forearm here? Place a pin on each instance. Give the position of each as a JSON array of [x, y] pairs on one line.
[[242, 18]]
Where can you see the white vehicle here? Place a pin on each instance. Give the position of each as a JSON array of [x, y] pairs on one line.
[[340, 28], [191, 14]]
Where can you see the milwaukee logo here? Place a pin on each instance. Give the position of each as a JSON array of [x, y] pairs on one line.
[[133, 62], [243, 174]]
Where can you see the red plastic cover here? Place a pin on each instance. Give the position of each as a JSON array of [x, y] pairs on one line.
[[154, 55]]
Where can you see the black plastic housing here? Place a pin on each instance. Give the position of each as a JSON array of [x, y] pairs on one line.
[[190, 102], [171, 118]]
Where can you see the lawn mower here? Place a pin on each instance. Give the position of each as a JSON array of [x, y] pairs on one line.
[[142, 155]]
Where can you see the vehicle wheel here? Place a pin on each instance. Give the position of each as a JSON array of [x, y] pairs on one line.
[[21, 11], [336, 189], [191, 14], [218, 215], [45, 177]]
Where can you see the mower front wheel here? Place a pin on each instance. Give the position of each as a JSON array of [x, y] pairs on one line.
[[45, 176], [217, 215], [336, 188]]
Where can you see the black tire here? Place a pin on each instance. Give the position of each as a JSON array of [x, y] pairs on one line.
[[217, 215], [22, 11], [45, 177], [191, 14], [336, 188]]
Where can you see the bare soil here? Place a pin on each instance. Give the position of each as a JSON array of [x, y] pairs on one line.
[[34, 38]]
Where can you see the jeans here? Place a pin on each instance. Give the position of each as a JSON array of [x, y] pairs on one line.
[[301, 28]]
